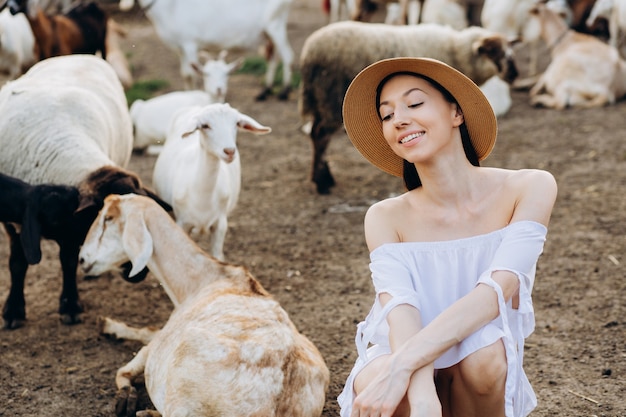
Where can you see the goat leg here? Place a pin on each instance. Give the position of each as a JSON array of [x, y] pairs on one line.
[[126, 401], [14, 311], [69, 305], [321, 172]]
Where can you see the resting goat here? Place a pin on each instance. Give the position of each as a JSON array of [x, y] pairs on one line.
[[65, 122], [228, 349]]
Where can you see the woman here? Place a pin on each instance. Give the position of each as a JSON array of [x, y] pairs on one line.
[[453, 259]]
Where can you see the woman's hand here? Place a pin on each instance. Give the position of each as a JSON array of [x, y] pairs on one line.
[[383, 394]]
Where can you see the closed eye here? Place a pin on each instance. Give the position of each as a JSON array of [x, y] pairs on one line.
[[412, 106]]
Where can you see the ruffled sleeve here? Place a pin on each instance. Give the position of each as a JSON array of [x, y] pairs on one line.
[[521, 246], [391, 275]]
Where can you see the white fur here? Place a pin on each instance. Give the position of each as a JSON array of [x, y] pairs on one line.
[[151, 118], [228, 349], [583, 71], [498, 92], [339, 8], [510, 18], [64, 118], [615, 12], [190, 25], [198, 171], [452, 13], [17, 44]]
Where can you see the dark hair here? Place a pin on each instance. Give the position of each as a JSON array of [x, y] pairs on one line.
[[409, 173]]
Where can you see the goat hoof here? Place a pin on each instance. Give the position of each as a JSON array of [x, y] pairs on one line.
[[284, 94], [14, 318], [14, 324], [70, 311], [263, 95], [126, 402]]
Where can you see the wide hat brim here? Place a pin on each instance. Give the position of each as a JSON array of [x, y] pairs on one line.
[[363, 124]]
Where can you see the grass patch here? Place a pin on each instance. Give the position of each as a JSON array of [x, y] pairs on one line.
[[145, 89], [256, 65]]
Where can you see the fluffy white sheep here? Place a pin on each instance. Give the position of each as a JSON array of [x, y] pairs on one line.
[[17, 44], [65, 121], [190, 25], [198, 171], [333, 55], [228, 349]]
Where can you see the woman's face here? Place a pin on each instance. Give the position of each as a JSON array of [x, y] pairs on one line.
[[417, 120]]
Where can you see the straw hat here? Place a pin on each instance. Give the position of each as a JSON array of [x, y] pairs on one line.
[[362, 121]]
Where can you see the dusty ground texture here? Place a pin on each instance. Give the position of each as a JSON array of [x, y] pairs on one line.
[[308, 251]]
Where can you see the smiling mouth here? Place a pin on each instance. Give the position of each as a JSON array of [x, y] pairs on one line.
[[410, 137]]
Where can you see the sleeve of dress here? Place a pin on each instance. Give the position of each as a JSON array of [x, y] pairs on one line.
[[389, 275], [518, 253]]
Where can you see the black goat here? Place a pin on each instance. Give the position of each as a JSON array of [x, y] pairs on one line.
[[63, 214]]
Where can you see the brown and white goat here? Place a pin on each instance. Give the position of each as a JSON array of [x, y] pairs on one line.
[[228, 349], [82, 30], [583, 71]]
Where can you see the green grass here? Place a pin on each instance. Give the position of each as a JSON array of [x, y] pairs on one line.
[[257, 65], [145, 89]]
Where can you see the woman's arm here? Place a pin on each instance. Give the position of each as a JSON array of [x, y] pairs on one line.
[[536, 197]]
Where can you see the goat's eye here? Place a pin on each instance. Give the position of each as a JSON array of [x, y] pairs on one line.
[[108, 218], [205, 126]]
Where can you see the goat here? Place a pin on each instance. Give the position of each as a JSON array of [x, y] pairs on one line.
[[198, 171], [17, 44], [228, 346], [189, 26], [583, 71], [65, 121], [29, 213], [615, 12], [82, 30], [151, 118], [328, 66], [114, 54]]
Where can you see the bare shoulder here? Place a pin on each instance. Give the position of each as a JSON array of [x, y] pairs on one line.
[[536, 192], [380, 221]]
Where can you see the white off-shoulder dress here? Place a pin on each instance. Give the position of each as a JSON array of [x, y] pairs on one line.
[[433, 275]]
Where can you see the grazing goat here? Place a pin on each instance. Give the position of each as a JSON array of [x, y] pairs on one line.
[[191, 25], [82, 30], [17, 44], [65, 121], [328, 66], [583, 71], [198, 171], [228, 346], [615, 12]]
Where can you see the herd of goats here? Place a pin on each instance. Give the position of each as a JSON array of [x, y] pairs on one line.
[[67, 135]]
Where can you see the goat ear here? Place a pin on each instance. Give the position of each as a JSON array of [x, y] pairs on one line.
[[235, 65], [137, 242], [247, 123], [30, 235], [490, 46]]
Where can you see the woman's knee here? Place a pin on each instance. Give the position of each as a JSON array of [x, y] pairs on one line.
[[485, 370]]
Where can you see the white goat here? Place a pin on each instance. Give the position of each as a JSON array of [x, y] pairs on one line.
[[198, 171], [17, 44], [229, 348], [583, 71], [191, 25], [151, 118], [615, 12], [452, 13]]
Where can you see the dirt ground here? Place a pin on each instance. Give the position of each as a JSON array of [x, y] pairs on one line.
[[308, 251]]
